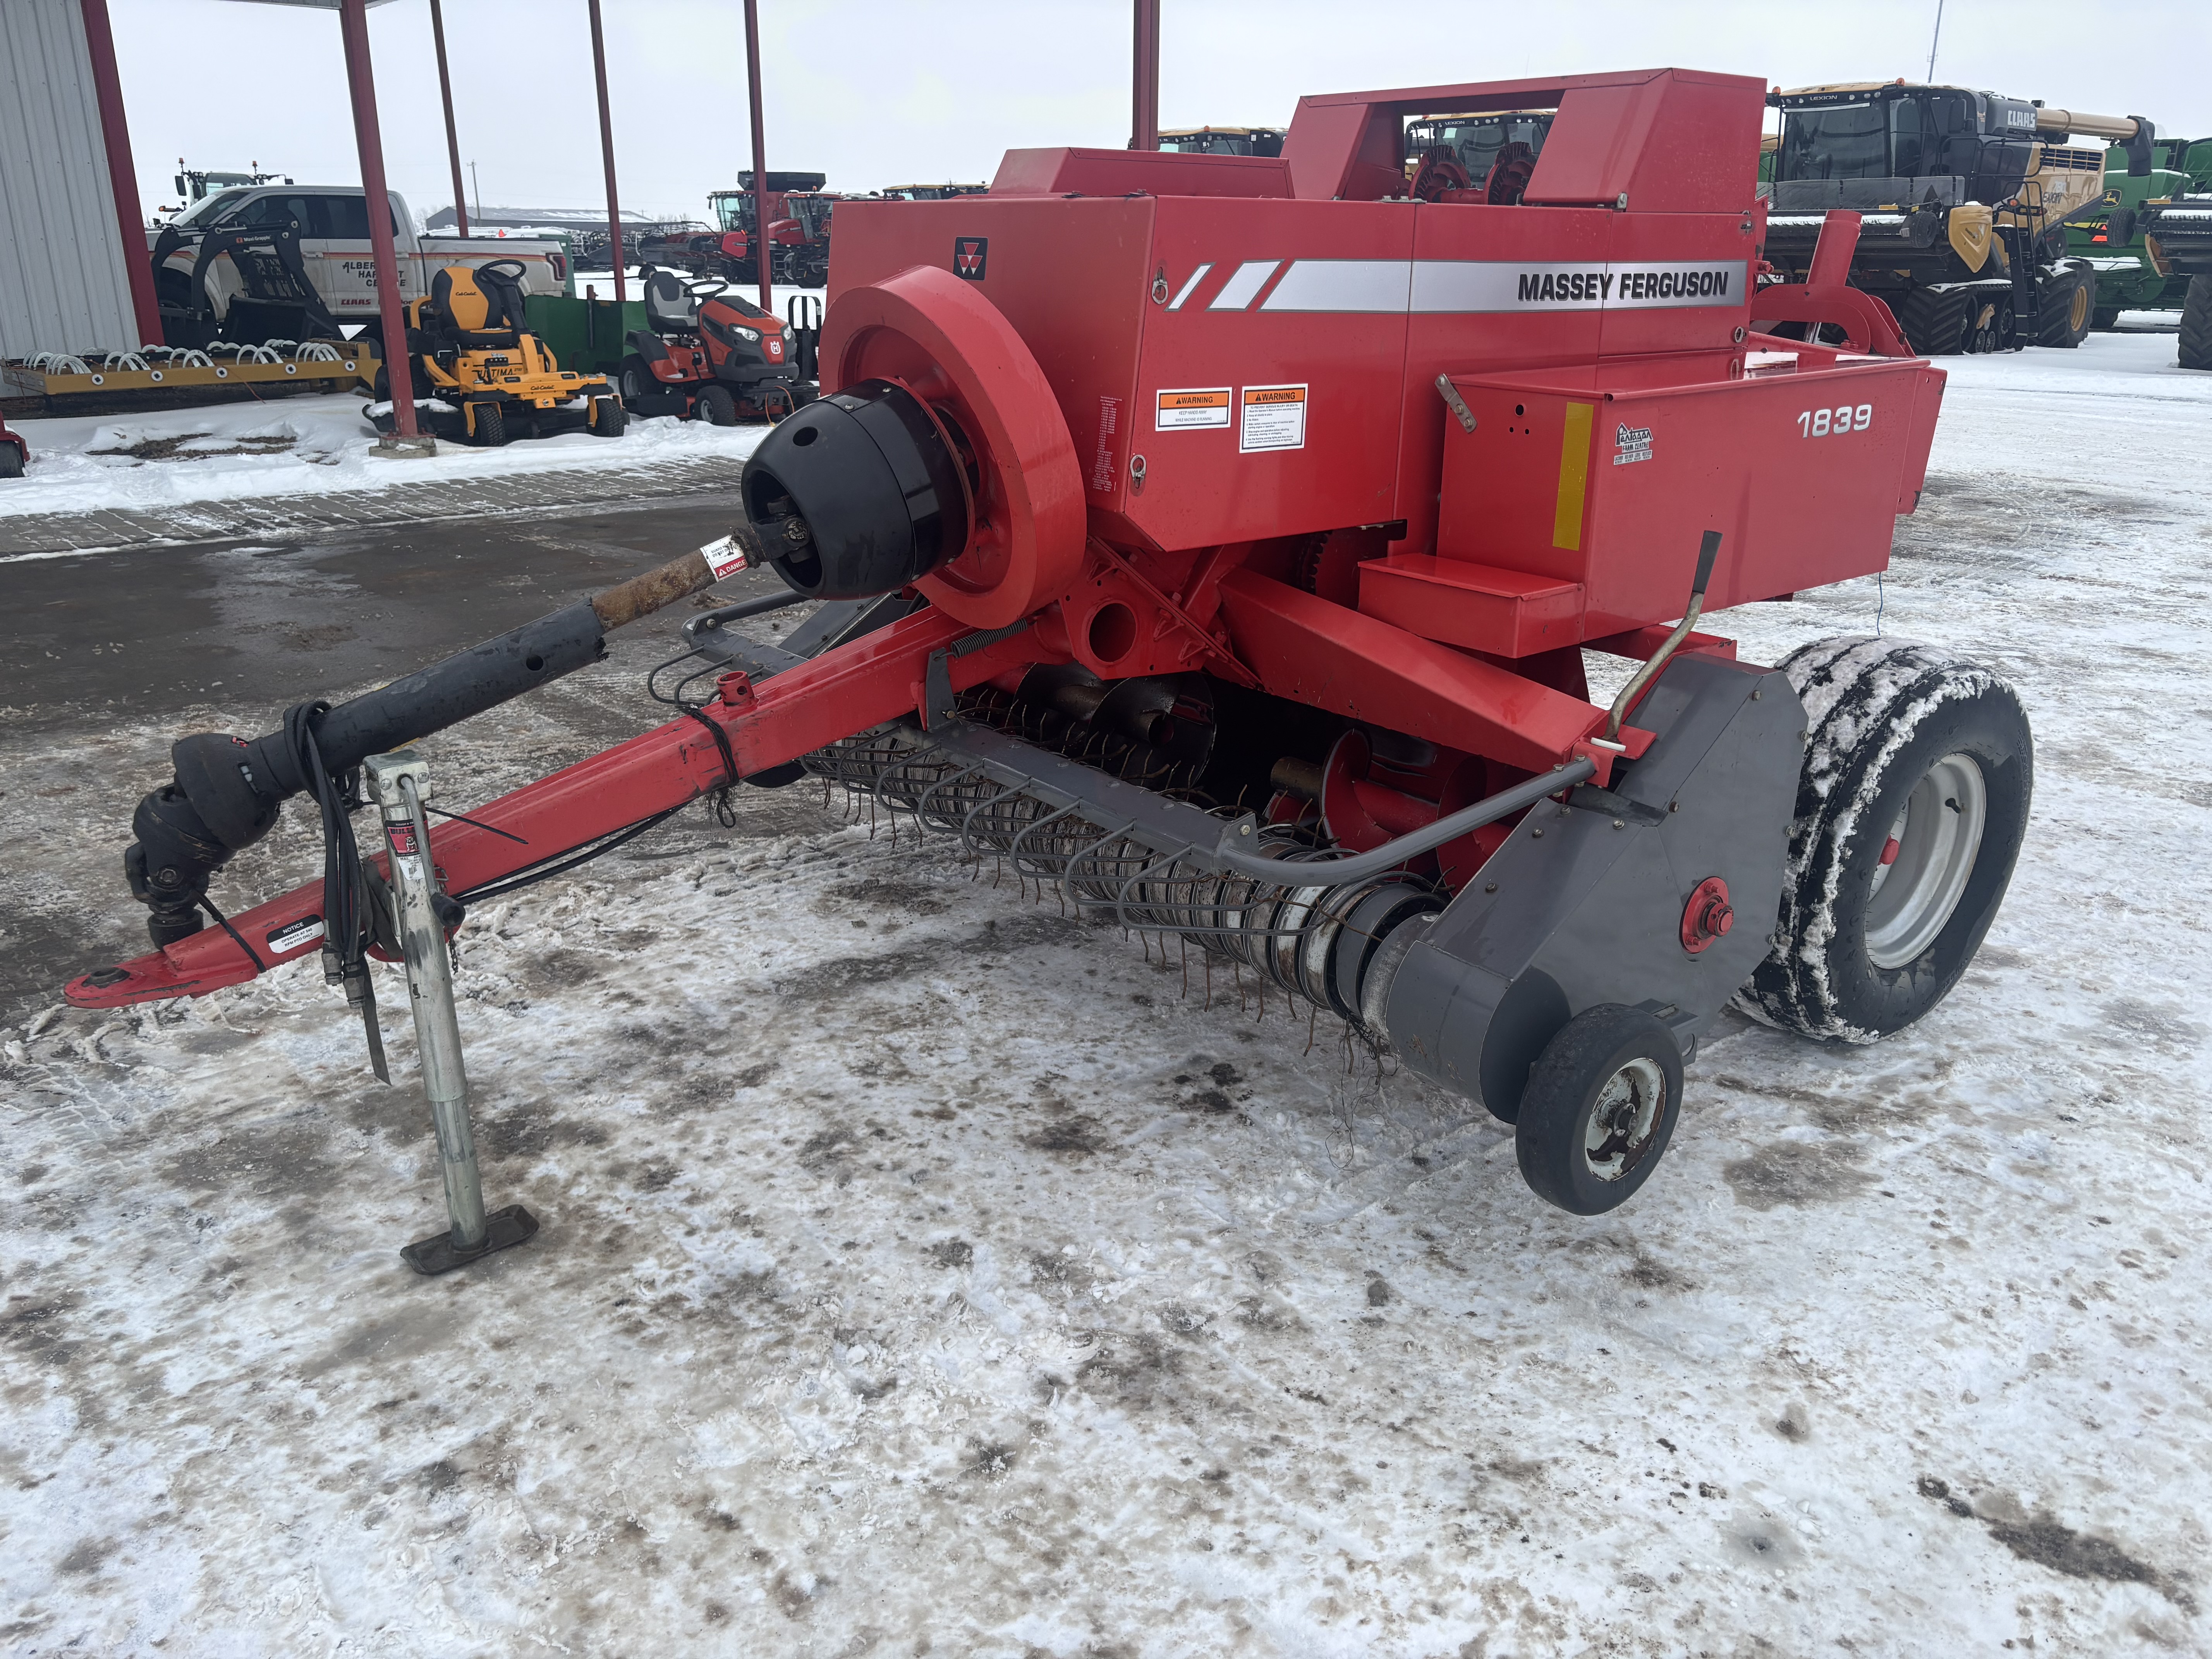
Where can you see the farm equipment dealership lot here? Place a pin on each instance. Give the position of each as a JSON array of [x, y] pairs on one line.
[[1369, 888]]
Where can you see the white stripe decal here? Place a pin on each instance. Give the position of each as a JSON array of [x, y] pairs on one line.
[[1343, 285], [1241, 289], [1464, 286], [1183, 293]]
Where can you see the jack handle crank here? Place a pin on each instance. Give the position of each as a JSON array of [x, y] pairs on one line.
[[1707, 552]]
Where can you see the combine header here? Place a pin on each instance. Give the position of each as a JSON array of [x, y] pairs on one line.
[[1218, 538]]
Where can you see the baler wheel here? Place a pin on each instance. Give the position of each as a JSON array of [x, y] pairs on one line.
[[1599, 1109], [2197, 324], [1912, 807]]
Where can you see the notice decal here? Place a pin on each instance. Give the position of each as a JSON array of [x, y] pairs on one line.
[[294, 934], [1274, 418], [1632, 443], [1191, 407]]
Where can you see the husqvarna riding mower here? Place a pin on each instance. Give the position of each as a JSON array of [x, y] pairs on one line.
[[481, 378], [710, 355]]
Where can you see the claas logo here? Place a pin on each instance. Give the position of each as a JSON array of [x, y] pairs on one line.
[[968, 255]]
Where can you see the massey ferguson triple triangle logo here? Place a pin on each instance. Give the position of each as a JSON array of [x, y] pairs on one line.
[[969, 254]]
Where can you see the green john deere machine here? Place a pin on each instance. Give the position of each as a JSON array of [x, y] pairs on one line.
[[2113, 242], [2177, 237], [1966, 200]]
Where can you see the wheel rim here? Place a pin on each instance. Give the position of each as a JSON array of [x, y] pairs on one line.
[[2077, 318], [1920, 884], [1625, 1120]]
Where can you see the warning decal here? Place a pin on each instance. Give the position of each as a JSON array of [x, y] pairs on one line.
[[1198, 406], [1274, 418]]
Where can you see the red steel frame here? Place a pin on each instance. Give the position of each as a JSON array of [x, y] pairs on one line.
[[446, 98], [122, 172], [1109, 537]]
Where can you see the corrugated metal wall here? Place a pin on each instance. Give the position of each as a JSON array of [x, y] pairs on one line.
[[62, 283]]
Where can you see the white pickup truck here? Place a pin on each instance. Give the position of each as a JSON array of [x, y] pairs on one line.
[[334, 247]]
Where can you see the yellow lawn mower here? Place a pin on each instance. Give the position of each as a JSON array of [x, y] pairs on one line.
[[480, 377]]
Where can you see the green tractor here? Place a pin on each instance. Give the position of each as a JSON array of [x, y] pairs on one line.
[[1966, 201], [2113, 242], [2177, 238]]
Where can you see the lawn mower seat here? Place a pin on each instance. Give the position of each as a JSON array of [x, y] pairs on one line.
[[669, 307], [473, 310]]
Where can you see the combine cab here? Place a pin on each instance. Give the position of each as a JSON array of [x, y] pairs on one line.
[[800, 242], [1965, 200], [1216, 541]]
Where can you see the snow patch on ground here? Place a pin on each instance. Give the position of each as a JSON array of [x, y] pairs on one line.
[[925, 1272], [307, 445]]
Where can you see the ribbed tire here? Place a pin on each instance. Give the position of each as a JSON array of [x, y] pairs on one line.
[[1935, 325], [2066, 305], [609, 418], [491, 426], [2197, 324], [716, 406], [1887, 717], [11, 461]]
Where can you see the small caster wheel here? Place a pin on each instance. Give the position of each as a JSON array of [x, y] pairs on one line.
[[1599, 1108]]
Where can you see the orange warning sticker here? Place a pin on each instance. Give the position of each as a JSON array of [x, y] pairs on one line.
[[1274, 418], [1193, 406]]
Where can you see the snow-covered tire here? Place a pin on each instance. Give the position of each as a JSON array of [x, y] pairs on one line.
[[1885, 717], [2197, 324]]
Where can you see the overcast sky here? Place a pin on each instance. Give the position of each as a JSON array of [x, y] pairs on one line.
[[874, 93]]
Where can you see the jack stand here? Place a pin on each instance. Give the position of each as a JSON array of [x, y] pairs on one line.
[[399, 782]]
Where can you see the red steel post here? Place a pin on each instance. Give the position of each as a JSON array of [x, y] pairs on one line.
[[607, 149], [763, 256], [1145, 96], [122, 176], [360, 83], [452, 141]]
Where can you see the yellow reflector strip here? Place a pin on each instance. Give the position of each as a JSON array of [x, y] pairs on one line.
[[1574, 478]]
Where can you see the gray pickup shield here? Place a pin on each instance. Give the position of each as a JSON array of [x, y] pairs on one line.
[[1589, 910]]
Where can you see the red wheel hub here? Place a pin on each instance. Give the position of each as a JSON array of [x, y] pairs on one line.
[[1708, 915]]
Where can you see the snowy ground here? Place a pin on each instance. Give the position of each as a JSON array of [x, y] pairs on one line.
[[300, 445], [923, 1273]]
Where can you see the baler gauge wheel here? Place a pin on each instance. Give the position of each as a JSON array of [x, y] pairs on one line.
[[1599, 1109]]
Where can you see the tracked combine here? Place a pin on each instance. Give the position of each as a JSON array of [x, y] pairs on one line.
[[1965, 200], [1216, 540]]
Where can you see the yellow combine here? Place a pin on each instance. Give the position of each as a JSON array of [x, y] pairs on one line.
[[481, 378]]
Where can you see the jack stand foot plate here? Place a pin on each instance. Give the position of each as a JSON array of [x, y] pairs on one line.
[[512, 1226]]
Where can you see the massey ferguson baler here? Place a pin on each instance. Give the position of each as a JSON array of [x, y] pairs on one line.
[[1216, 540]]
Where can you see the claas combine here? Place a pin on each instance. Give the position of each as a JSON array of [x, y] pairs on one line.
[[1218, 540]]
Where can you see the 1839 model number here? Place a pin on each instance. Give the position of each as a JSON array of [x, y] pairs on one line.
[[1833, 422]]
